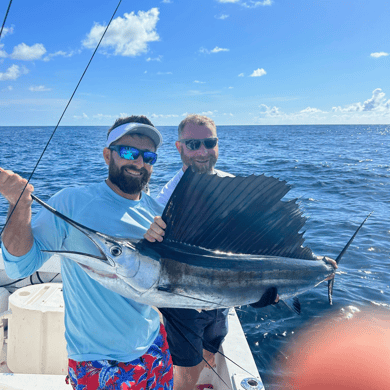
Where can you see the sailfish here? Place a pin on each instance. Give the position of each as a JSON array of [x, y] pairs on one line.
[[229, 241]]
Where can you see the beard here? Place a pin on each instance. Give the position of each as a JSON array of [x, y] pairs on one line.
[[199, 168], [128, 184]]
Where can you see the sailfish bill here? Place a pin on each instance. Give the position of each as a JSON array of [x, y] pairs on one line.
[[229, 241]]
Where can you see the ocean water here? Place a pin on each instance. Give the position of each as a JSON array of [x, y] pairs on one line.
[[339, 174]]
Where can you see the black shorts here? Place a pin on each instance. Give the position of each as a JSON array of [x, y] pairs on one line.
[[189, 332]]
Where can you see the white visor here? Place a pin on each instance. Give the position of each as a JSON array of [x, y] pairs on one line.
[[132, 128]]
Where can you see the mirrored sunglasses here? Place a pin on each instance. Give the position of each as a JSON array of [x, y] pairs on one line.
[[194, 144], [131, 153]]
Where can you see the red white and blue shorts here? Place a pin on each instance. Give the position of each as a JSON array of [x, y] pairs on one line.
[[153, 370]]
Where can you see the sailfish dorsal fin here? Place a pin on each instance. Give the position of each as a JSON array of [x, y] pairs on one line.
[[235, 214]]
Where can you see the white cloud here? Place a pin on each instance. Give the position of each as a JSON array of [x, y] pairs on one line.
[[218, 49], [39, 88], [209, 113], [379, 54], [195, 92], [258, 73], [164, 116], [164, 72], [3, 54], [221, 17], [373, 110], [28, 53], [249, 3], [159, 58], [83, 116], [255, 4], [241, 75], [128, 36], [105, 116], [231, 87], [6, 31], [13, 72], [377, 103], [9, 88], [167, 1], [60, 53], [199, 82], [215, 50], [310, 110], [270, 111]]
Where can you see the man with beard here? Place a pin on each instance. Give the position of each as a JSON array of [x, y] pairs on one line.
[[112, 342], [193, 335]]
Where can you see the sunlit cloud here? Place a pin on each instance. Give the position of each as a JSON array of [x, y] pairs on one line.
[[13, 72], [83, 116], [39, 88], [159, 58], [379, 54], [375, 109], [218, 49], [221, 17], [248, 4], [106, 116], [215, 50], [258, 73], [28, 53], [3, 53], [377, 103], [128, 36], [7, 31], [61, 54], [241, 75], [167, 1], [164, 116]]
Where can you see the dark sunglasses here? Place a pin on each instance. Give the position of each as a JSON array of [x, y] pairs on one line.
[[194, 144], [131, 153]]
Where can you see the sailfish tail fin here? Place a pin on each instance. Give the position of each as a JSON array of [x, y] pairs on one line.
[[331, 282]]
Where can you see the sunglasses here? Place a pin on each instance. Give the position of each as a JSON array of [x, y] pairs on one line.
[[131, 153], [194, 144]]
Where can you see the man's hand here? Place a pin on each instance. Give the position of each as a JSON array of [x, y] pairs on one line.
[[11, 186], [331, 262], [156, 230], [17, 235]]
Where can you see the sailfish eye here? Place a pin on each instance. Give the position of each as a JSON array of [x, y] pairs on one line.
[[116, 250]]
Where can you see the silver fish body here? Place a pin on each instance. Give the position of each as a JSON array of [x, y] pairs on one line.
[[193, 277]]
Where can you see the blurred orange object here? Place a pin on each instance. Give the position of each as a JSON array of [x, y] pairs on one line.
[[347, 354]]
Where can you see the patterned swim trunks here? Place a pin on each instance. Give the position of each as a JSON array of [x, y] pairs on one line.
[[153, 370]]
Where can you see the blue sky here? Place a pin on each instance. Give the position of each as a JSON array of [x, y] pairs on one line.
[[237, 61]]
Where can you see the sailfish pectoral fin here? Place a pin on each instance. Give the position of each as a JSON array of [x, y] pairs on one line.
[[268, 298]]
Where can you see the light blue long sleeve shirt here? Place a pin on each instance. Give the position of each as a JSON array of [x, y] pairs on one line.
[[99, 324]]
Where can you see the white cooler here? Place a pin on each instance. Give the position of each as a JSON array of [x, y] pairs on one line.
[[36, 341]]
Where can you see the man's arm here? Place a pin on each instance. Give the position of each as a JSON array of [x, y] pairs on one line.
[[17, 236]]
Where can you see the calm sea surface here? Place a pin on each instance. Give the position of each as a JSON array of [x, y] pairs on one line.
[[339, 174]]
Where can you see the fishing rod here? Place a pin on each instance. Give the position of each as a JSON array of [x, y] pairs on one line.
[[62, 115], [6, 15]]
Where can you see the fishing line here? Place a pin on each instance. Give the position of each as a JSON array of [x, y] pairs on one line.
[[6, 14], [164, 313], [186, 338], [63, 113]]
